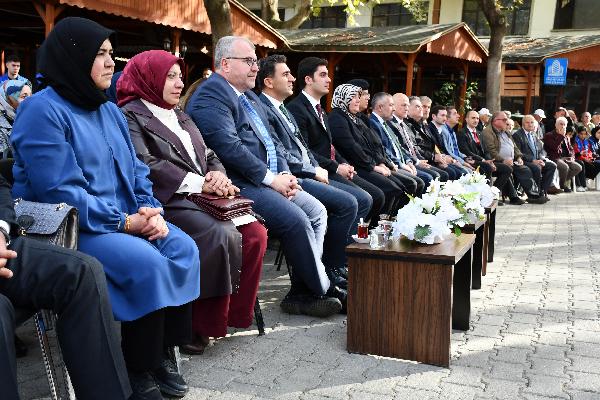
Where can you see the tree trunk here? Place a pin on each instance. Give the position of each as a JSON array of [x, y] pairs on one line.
[[219, 15], [494, 68], [270, 14], [497, 21]]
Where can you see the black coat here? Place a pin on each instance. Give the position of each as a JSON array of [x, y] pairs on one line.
[[425, 139], [520, 139], [467, 145], [356, 141], [318, 137]]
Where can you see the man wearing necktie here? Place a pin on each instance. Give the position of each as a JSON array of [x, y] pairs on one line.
[[345, 204], [469, 143], [312, 121], [404, 169], [543, 171], [235, 126]]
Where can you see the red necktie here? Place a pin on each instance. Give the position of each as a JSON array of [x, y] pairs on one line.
[[320, 114], [475, 136]]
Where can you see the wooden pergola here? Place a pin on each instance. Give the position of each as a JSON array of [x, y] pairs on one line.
[[140, 25], [523, 64], [407, 50]]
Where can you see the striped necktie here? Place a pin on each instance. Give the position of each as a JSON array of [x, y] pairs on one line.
[[269, 145]]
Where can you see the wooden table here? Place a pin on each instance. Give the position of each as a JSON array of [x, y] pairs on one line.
[[480, 251], [490, 233], [404, 299]]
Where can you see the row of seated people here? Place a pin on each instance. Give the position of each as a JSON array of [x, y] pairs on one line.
[[176, 276]]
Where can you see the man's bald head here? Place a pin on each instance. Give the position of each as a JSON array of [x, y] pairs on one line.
[[401, 104]]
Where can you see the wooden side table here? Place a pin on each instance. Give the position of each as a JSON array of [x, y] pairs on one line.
[[479, 251], [490, 233], [404, 299]]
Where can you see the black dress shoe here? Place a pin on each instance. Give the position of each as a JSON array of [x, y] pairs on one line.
[[567, 190], [169, 380], [536, 200], [143, 387], [336, 278], [309, 304], [341, 295], [516, 201]]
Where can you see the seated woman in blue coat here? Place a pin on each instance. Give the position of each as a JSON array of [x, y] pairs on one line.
[[71, 145]]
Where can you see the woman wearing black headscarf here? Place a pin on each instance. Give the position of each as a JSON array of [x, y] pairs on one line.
[[71, 145]]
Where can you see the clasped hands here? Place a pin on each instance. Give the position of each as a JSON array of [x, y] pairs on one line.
[[286, 184], [148, 222], [218, 183]]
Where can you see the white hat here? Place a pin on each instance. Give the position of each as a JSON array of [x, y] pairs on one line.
[[539, 112], [485, 111]]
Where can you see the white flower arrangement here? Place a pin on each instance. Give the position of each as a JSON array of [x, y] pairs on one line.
[[476, 182], [445, 207]]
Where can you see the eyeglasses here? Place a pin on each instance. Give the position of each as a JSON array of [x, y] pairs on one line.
[[248, 60]]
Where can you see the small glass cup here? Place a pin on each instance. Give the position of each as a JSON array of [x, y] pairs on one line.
[[385, 226], [363, 230], [377, 239]]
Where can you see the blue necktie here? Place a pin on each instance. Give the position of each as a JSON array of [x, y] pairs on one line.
[[271, 153], [532, 145]]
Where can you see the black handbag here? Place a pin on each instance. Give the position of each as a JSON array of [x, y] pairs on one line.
[[57, 224]]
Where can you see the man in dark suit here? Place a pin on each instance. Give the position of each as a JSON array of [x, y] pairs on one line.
[[405, 135], [306, 108], [543, 171], [35, 275], [469, 143], [439, 116], [236, 127], [383, 108], [427, 142], [275, 81]]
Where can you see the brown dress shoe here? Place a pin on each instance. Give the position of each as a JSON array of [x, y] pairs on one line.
[[554, 190], [196, 347]]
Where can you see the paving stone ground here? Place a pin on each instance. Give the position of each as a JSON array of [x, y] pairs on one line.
[[535, 330]]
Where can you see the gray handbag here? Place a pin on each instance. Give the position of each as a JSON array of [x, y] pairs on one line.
[[57, 224]]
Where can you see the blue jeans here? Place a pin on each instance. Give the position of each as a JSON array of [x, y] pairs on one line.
[[341, 209], [300, 224]]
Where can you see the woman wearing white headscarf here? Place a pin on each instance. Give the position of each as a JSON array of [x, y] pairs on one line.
[[361, 147]]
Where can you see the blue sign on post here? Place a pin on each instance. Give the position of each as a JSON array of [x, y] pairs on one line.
[[555, 71]]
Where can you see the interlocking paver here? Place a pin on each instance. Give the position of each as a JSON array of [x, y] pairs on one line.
[[535, 330]]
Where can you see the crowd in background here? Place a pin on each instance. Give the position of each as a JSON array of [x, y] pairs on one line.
[[175, 275]]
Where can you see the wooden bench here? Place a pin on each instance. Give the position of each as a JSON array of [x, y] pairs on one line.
[[404, 299]]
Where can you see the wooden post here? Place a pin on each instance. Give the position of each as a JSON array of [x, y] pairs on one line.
[[49, 12], [435, 16], [176, 41], [419, 79], [588, 88], [463, 89], [333, 61], [529, 86], [410, 63]]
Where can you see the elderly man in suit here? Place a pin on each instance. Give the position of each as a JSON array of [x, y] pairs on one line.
[[500, 146], [313, 79], [345, 204], [383, 111], [470, 143], [36, 275], [235, 125], [543, 170]]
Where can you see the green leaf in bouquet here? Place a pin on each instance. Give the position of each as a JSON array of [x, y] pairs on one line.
[[422, 231], [457, 231]]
